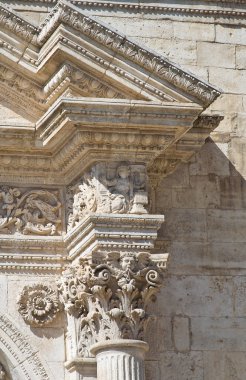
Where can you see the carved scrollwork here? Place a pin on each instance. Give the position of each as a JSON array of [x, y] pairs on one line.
[[110, 298], [29, 212], [38, 304], [117, 188]]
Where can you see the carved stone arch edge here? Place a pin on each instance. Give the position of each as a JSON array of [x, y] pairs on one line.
[[24, 359]]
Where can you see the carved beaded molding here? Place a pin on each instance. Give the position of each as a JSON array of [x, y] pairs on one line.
[[66, 13], [109, 297], [154, 100], [206, 11]]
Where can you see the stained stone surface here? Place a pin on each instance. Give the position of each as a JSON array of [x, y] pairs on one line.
[[199, 333]]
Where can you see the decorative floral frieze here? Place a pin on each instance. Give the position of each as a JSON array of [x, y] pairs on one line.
[[117, 188], [38, 304], [29, 212], [109, 297]]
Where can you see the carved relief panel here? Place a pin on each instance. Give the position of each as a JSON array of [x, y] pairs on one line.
[[27, 211], [112, 187]]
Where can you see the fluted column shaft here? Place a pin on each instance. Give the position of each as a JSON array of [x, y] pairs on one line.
[[120, 359]]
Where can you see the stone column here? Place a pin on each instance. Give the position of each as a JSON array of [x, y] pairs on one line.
[[112, 276], [121, 359]]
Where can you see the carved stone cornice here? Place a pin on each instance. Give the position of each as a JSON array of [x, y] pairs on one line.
[[14, 23], [77, 103], [67, 14]]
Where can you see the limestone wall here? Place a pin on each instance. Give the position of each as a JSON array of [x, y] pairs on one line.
[[201, 326]]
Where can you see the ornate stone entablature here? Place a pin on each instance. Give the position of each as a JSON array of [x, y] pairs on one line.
[[103, 119], [137, 103]]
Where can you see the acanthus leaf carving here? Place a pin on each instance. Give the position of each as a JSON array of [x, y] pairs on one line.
[[109, 297], [29, 212]]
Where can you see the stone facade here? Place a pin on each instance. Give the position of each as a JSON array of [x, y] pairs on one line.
[[101, 137]]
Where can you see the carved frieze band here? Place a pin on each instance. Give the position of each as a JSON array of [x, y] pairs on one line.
[[25, 212]]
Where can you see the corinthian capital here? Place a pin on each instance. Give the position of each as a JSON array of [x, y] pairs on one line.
[[109, 296]]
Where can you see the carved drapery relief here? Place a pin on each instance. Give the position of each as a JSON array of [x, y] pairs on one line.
[[109, 298], [29, 212], [118, 188], [38, 304]]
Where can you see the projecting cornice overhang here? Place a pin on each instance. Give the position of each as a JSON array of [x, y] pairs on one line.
[[88, 93]]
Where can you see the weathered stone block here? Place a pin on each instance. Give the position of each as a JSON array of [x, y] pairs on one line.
[[163, 340], [179, 179], [135, 27], [209, 160], [196, 296], [182, 366], [203, 193], [241, 57], [152, 370], [223, 55], [181, 333], [224, 365], [232, 81], [226, 225], [230, 34], [194, 31], [184, 225], [225, 334]]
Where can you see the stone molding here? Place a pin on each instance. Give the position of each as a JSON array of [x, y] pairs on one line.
[[150, 100], [23, 357], [70, 15], [207, 11]]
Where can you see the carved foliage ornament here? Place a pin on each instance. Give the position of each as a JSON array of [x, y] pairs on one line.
[[38, 304], [29, 212], [109, 299], [117, 188]]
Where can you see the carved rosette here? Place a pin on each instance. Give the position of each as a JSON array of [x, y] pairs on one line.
[[109, 298], [38, 305]]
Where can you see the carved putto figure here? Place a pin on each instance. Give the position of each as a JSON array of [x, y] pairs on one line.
[[29, 212], [109, 298], [117, 188], [38, 304]]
